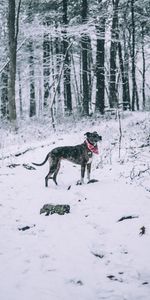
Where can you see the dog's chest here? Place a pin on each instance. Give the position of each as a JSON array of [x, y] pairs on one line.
[[90, 156]]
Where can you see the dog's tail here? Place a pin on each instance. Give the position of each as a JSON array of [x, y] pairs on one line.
[[45, 160]]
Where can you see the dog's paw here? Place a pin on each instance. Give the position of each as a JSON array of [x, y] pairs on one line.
[[79, 182]]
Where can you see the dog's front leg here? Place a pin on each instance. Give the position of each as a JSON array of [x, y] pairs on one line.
[[79, 182], [82, 173], [88, 171]]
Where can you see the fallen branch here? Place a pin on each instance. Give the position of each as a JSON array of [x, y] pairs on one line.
[[133, 175], [25, 151], [127, 218]]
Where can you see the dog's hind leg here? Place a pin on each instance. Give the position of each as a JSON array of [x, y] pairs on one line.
[[54, 168], [56, 172]]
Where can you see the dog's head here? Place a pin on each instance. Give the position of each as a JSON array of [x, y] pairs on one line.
[[93, 137]]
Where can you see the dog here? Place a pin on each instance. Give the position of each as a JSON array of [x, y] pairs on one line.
[[79, 154]]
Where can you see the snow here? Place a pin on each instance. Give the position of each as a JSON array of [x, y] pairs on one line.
[[87, 254]]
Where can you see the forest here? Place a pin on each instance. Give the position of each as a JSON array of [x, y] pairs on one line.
[[73, 57], [74, 84]]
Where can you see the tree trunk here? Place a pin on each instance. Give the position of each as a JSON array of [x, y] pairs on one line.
[[32, 83], [84, 45], [20, 93], [58, 57], [100, 67], [113, 52], [67, 65], [124, 92], [4, 92], [133, 56], [126, 70], [12, 62], [144, 69], [46, 66]]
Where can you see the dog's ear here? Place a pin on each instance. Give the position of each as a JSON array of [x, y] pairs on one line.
[[87, 134]]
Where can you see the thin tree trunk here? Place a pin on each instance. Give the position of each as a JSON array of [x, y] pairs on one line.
[[100, 67], [124, 94], [84, 45], [113, 52], [46, 66], [12, 62], [137, 96], [67, 66], [32, 83], [133, 56], [59, 78], [126, 71], [58, 58], [90, 64], [76, 84], [144, 69], [20, 93], [4, 92]]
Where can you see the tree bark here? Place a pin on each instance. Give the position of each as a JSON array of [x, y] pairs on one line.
[[126, 69], [124, 90], [46, 66], [67, 65], [133, 56], [100, 67], [32, 83], [12, 62], [144, 69], [113, 52], [4, 92], [20, 93], [84, 46]]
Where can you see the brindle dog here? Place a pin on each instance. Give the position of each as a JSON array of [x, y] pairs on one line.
[[79, 154]]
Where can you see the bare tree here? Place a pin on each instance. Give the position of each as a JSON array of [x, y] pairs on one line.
[[133, 56], [46, 64], [113, 52], [13, 29], [84, 46], [144, 65], [12, 57], [127, 103], [67, 65], [4, 92], [32, 80], [100, 60]]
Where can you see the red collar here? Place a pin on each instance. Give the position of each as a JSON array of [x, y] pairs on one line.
[[92, 148]]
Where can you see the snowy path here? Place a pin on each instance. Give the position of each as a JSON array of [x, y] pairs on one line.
[[85, 255]]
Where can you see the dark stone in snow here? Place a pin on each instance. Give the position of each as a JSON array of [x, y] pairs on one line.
[[28, 167], [142, 230], [50, 209], [98, 255], [26, 227], [13, 166], [112, 277]]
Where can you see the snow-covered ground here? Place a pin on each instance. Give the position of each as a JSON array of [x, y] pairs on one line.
[[87, 254]]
